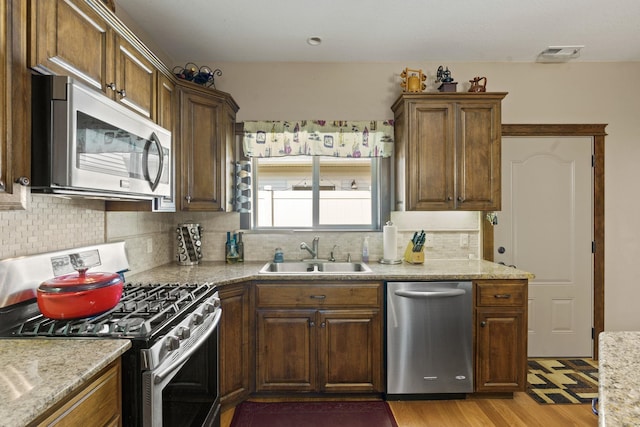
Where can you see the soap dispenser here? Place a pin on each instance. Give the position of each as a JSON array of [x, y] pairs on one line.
[[365, 249]]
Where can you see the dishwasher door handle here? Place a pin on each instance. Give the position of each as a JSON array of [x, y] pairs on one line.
[[430, 294]]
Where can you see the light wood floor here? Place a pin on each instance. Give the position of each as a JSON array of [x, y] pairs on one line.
[[521, 411]]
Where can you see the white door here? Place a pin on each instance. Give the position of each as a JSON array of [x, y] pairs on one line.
[[545, 227]]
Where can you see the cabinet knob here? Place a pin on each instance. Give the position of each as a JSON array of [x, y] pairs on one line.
[[323, 325], [2, 186], [23, 180], [483, 324], [449, 198], [187, 198], [111, 86], [460, 199], [122, 93], [312, 324]]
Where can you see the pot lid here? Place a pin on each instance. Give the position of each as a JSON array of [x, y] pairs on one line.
[[80, 281]]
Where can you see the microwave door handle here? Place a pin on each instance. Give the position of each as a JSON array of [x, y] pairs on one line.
[[145, 161]]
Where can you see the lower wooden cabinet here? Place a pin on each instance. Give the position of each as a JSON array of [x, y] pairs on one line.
[[501, 336], [99, 403], [319, 338], [235, 348]]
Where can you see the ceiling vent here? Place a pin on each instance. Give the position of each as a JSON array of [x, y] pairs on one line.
[[559, 53]]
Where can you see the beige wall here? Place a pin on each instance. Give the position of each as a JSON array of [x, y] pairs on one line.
[[538, 93]]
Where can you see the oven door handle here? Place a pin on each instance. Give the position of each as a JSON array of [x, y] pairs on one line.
[[160, 376]]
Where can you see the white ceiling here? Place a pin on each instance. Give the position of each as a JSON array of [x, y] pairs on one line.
[[387, 30]]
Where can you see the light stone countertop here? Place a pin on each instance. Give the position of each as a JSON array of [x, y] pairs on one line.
[[221, 273], [619, 379], [37, 373]]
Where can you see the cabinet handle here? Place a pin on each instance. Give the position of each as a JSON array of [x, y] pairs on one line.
[[483, 324], [502, 296], [318, 296]]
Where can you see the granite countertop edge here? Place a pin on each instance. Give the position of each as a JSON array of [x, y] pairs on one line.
[[619, 378], [222, 274], [40, 373]]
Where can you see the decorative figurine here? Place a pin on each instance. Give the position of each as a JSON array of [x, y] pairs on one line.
[[444, 76], [413, 82], [476, 86]]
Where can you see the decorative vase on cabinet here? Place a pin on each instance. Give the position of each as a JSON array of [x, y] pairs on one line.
[[447, 151]]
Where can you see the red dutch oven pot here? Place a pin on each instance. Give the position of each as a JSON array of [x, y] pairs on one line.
[[78, 295]]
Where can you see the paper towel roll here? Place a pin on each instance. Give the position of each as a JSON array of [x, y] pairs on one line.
[[390, 242]]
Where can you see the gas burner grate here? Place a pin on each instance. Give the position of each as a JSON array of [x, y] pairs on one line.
[[142, 310]]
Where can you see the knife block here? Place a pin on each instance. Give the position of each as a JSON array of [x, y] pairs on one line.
[[413, 257]]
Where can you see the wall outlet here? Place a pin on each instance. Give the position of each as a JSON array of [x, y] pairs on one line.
[[464, 240]]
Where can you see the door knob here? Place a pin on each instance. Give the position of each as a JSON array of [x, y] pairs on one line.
[[501, 250]]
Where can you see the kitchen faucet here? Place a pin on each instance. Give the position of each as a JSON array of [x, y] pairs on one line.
[[313, 250]]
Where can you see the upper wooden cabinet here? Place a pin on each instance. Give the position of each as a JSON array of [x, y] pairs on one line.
[[206, 139], [15, 106], [72, 38], [447, 151]]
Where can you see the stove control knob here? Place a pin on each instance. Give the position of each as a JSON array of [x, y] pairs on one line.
[[183, 332], [172, 342], [210, 307], [197, 319]]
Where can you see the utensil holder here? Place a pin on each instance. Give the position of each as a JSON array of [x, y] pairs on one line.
[[413, 257]]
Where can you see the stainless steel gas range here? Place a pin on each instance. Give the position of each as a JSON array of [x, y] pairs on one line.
[[170, 374]]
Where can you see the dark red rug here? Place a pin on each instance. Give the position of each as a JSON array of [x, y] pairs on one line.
[[313, 414]]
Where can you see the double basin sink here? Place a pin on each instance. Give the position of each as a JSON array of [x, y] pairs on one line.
[[314, 267]]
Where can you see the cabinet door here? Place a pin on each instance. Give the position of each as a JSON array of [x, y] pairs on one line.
[[286, 350], [202, 164], [478, 156], [135, 80], [235, 357], [430, 157], [501, 359], [70, 38], [15, 107], [98, 403], [349, 351]]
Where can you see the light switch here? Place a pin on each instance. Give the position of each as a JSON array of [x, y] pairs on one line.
[[464, 240]]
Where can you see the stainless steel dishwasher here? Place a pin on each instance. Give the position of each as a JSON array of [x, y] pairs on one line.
[[429, 339]]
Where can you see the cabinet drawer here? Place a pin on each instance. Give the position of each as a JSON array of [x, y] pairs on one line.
[[500, 294], [304, 295]]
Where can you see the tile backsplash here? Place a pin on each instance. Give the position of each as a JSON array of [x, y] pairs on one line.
[[49, 224], [54, 223]]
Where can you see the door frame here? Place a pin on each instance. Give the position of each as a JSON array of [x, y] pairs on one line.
[[597, 132]]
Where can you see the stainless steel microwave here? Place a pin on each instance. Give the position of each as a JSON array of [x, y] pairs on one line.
[[86, 144]]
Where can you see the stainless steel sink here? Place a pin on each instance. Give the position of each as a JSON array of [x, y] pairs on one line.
[[314, 267]]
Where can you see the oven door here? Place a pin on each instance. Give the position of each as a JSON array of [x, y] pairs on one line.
[[186, 393]]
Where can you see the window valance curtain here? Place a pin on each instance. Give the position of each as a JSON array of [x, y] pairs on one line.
[[318, 138]]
